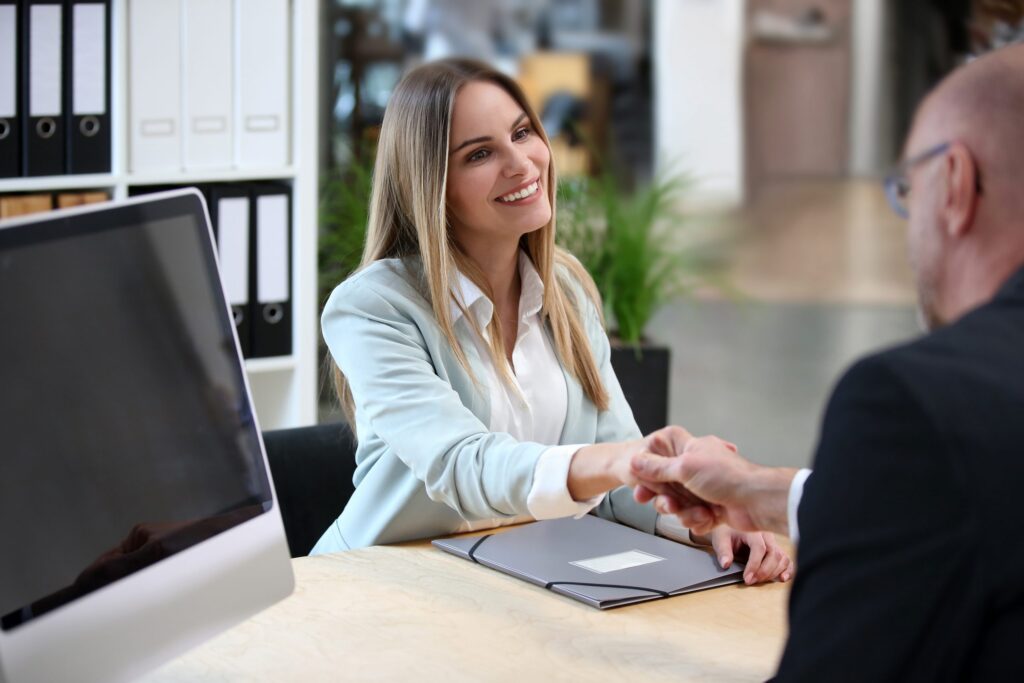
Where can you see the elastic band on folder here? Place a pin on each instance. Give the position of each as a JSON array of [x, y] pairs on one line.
[[608, 585], [476, 545], [472, 556]]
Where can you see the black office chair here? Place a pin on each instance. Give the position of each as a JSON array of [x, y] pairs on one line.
[[312, 469]]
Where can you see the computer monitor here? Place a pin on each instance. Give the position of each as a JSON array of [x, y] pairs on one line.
[[137, 516]]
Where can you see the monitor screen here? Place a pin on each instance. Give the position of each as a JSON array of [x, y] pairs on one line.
[[127, 433]]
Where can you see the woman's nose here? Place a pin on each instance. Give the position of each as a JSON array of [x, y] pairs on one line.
[[518, 163]]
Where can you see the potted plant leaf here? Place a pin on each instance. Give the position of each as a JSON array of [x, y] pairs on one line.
[[628, 241], [344, 210]]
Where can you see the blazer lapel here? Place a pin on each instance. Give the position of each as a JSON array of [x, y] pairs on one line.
[[578, 408], [474, 396]]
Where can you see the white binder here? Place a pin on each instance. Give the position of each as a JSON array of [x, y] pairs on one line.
[[263, 66], [88, 107], [209, 61], [272, 316], [154, 84], [10, 127], [44, 137], [271, 330], [45, 61], [8, 61], [233, 231], [88, 59], [272, 248]]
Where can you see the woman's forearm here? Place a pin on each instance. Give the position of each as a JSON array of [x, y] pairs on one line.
[[599, 468]]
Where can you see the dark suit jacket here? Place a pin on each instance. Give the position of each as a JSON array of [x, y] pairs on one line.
[[911, 555]]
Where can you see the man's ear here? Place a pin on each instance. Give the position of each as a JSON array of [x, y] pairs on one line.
[[962, 190]]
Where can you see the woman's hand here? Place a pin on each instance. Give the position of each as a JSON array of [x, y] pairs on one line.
[[765, 559], [602, 467]]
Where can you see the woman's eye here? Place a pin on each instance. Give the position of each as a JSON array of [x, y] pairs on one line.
[[478, 155], [521, 134]]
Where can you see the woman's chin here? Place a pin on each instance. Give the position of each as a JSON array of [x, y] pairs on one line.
[[522, 224], [537, 220]]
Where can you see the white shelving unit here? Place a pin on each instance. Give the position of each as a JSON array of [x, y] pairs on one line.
[[284, 388]]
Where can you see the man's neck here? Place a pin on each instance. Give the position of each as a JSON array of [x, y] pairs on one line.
[[979, 277]]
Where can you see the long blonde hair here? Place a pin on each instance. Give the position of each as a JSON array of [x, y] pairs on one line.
[[407, 218]]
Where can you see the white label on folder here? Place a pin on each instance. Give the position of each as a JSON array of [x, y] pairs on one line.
[[8, 61], [233, 247], [272, 248], [157, 128], [262, 124], [88, 64], [44, 60], [617, 562], [209, 124]]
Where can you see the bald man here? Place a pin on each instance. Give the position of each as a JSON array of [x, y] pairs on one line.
[[911, 528]]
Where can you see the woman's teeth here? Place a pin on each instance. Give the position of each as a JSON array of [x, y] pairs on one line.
[[522, 194]]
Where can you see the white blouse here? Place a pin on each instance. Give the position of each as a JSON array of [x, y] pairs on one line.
[[534, 407]]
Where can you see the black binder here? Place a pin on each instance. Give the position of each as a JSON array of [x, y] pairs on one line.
[[232, 221], [10, 92], [87, 86], [271, 270], [42, 82]]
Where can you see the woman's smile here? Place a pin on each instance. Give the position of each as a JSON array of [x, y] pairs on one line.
[[524, 194]]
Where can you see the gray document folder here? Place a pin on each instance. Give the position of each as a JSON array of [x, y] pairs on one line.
[[595, 561]]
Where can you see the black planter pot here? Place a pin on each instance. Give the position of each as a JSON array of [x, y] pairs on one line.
[[644, 380]]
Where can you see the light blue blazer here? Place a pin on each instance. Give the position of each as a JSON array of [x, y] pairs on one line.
[[426, 460]]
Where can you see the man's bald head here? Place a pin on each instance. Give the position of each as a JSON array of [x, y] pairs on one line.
[[967, 206], [982, 106]]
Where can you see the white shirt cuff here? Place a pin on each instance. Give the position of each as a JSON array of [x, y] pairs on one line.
[[549, 496], [796, 492], [671, 528]]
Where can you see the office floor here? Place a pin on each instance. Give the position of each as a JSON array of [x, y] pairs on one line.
[[821, 241], [822, 275]]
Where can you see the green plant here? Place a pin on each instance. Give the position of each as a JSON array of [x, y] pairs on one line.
[[344, 210], [629, 242]]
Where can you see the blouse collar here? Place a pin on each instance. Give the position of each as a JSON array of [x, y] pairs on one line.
[[531, 298]]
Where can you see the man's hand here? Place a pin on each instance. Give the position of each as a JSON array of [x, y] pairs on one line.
[[706, 482]]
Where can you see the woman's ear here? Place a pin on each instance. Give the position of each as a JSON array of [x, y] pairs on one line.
[[962, 190]]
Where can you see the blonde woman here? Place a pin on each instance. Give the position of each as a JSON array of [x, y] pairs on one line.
[[470, 353]]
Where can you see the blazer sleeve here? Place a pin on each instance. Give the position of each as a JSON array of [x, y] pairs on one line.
[[884, 583], [615, 424], [399, 395]]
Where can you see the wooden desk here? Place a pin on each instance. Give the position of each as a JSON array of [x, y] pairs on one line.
[[414, 613]]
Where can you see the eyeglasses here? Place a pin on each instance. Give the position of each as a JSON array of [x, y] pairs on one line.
[[897, 185]]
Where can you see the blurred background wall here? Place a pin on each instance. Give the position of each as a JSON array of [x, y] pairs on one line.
[[740, 92], [698, 65]]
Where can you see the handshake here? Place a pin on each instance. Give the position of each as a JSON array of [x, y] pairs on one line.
[[706, 483]]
